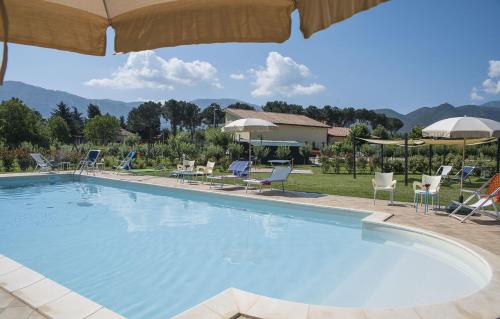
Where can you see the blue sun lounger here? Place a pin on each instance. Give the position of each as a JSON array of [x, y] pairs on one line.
[[126, 163]]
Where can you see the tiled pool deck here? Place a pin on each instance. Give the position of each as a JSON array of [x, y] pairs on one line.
[[481, 234]]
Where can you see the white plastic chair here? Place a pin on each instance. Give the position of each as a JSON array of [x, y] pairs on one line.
[[434, 185], [383, 182]]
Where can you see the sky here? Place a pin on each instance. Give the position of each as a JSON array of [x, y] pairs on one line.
[[403, 55]]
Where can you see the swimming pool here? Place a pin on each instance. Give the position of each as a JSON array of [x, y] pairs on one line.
[[152, 252]]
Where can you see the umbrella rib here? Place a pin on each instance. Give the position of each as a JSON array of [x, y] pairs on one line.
[[107, 11]]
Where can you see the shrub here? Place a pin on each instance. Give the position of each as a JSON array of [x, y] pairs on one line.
[[305, 150], [418, 164], [23, 158], [260, 152], [325, 164], [235, 151], [132, 141], [282, 152], [362, 163], [8, 157], [335, 164]]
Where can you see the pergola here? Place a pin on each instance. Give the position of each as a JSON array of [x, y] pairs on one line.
[[405, 142]]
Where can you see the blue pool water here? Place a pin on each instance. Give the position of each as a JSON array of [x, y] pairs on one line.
[[151, 252]]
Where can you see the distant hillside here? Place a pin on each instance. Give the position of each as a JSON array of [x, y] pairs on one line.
[[44, 100], [427, 115]]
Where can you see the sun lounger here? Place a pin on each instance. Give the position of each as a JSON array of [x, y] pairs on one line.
[[488, 195], [468, 172], [444, 171], [279, 175], [238, 169], [126, 163], [88, 163], [42, 164]]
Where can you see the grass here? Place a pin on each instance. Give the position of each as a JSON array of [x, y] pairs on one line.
[[345, 185]]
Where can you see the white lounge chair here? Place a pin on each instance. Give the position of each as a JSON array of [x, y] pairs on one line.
[[488, 195], [279, 175], [434, 183], [444, 171], [42, 164], [383, 182], [204, 171]]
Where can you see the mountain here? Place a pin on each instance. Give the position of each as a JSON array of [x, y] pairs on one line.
[[44, 100], [427, 115]]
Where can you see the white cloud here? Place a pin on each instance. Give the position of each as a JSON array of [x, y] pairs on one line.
[[494, 70], [474, 95], [147, 70], [283, 76], [491, 86], [237, 76]]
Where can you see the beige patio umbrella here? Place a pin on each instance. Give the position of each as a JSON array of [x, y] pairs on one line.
[[249, 125], [80, 25], [465, 128]]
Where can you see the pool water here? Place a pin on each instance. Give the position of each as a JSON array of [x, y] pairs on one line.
[[152, 252]]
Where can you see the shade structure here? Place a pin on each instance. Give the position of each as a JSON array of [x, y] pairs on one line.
[[80, 25], [463, 128], [250, 125]]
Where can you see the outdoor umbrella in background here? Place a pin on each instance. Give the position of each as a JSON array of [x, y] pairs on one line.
[[80, 25], [463, 128], [249, 125]]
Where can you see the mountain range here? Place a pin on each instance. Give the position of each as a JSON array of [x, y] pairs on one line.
[[44, 101]]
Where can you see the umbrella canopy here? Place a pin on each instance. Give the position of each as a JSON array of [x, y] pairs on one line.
[[463, 128], [249, 125], [80, 25]]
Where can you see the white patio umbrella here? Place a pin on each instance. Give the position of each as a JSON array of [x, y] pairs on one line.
[[250, 125], [463, 128]]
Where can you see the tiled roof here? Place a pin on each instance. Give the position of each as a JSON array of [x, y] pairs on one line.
[[277, 118], [339, 131]]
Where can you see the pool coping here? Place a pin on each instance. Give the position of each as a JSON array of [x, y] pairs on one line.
[[232, 302]]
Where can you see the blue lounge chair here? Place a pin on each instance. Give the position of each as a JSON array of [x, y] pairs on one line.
[[468, 172], [126, 163], [89, 162], [279, 175], [238, 169]]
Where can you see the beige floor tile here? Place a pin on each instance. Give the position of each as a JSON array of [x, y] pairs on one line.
[[70, 306], [105, 313], [19, 278], [7, 265], [16, 313], [41, 292]]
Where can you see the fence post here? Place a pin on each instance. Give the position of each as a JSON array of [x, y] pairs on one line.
[[498, 154], [354, 156], [406, 159]]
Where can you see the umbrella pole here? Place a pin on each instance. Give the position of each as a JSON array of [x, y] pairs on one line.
[[250, 154], [461, 198]]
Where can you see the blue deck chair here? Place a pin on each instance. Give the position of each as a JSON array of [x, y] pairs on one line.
[[88, 163], [42, 164], [238, 169], [468, 171], [126, 163]]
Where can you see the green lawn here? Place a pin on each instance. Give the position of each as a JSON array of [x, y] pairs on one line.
[[343, 184]]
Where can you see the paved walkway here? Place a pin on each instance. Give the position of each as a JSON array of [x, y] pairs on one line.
[[13, 308]]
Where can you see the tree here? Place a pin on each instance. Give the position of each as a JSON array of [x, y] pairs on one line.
[[191, 117], [380, 132], [314, 113], [93, 110], [333, 116], [63, 111], [19, 123], [77, 123], [394, 125], [102, 129], [359, 130], [172, 111], [59, 129], [145, 120], [123, 124], [241, 106], [283, 107], [416, 132], [213, 115], [306, 151], [282, 152]]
